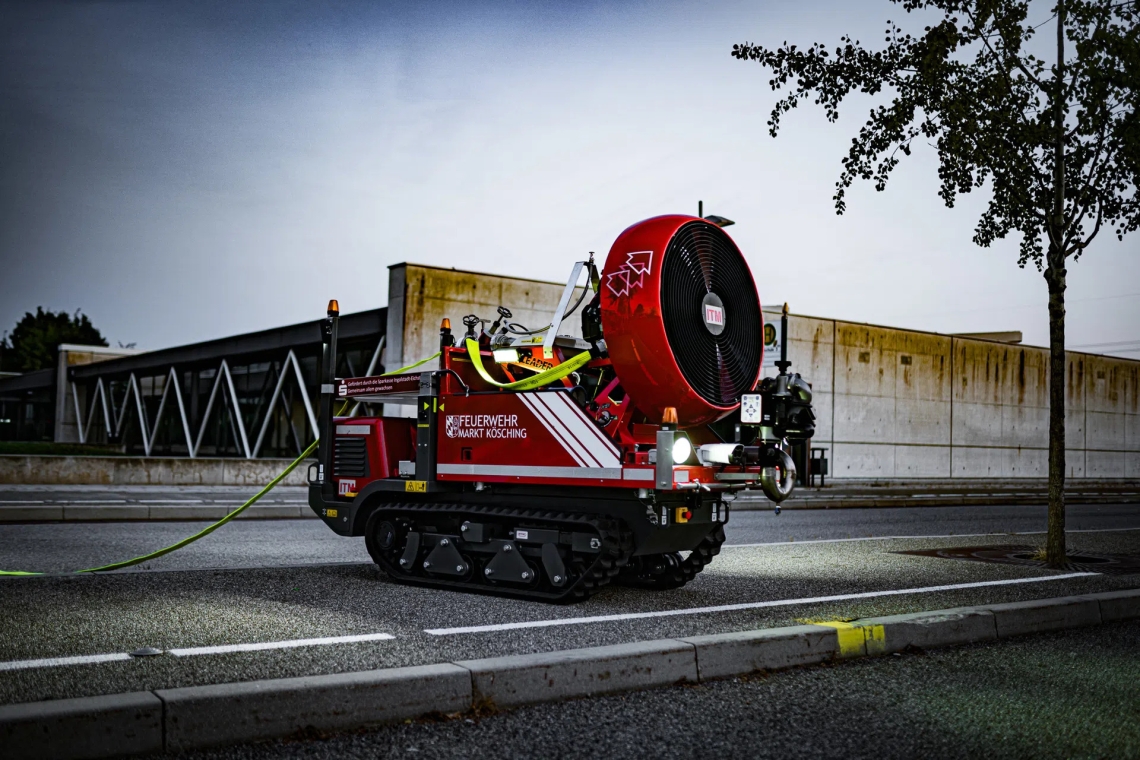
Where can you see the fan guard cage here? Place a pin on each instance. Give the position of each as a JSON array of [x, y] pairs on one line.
[[701, 259]]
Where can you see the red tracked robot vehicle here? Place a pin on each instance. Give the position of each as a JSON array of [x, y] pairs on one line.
[[544, 466]]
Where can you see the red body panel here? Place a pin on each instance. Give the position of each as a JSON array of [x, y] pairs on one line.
[[539, 437], [387, 441], [633, 327]]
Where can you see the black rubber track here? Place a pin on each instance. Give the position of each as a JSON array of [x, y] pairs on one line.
[[666, 571], [616, 549]]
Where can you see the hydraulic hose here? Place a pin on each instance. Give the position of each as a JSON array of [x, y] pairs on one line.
[[546, 377]]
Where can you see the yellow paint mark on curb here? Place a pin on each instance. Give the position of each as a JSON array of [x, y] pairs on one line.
[[856, 640]]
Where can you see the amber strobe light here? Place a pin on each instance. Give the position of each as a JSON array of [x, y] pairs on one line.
[[334, 308]]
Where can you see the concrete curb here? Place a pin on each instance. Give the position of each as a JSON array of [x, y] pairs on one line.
[[199, 716], [532, 678], [202, 716], [88, 727]]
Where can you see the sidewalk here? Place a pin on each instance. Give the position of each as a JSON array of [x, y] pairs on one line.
[[144, 503], [946, 493]]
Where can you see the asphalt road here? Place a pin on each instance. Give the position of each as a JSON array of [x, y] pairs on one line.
[[61, 547], [273, 591], [1064, 695]]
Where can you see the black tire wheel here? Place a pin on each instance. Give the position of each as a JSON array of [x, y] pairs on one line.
[[382, 537]]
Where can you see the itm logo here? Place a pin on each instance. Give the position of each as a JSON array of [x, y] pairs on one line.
[[345, 487], [630, 275]]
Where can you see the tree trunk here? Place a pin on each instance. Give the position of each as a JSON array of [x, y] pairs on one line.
[[1055, 277], [1055, 541]]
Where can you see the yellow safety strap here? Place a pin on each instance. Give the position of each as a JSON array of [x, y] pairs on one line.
[[546, 377], [211, 528]]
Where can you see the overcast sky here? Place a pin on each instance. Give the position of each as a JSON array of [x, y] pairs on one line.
[[184, 170]]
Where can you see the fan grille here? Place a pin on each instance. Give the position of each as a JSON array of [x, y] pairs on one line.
[[701, 259]]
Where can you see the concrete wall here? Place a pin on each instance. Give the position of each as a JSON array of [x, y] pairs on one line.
[[420, 297], [890, 403], [900, 404]]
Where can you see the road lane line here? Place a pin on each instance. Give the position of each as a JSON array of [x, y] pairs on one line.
[[90, 659], [7, 503], [895, 538], [169, 501], [55, 662], [291, 644], [83, 502], [742, 606]]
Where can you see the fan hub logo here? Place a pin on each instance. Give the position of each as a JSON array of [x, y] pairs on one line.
[[712, 314]]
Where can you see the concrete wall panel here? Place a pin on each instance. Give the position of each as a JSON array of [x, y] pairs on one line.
[[977, 424], [1132, 432], [1105, 431], [1132, 464], [922, 421], [811, 350], [975, 462], [863, 419], [922, 462], [1033, 463], [863, 460], [1104, 464], [821, 404], [1024, 426]]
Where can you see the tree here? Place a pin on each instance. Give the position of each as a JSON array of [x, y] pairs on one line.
[[32, 344], [1049, 130]]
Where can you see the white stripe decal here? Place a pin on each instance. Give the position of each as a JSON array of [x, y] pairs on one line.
[[744, 606], [530, 471], [568, 424], [290, 644], [559, 436], [551, 420], [578, 430], [55, 662], [592, 426]]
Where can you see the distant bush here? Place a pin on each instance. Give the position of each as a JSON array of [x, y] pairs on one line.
[[33, 343]]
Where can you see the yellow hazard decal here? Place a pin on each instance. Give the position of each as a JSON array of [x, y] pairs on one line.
[[330, 513], [416, 485]]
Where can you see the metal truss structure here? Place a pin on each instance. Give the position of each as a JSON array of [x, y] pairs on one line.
[[129, 408]]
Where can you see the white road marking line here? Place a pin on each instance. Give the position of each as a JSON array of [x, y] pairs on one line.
[[20, 502], [90, 659], [742, 606], [55, 662], [291, 644], [895, 538], [169, 501], [84, 502]]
